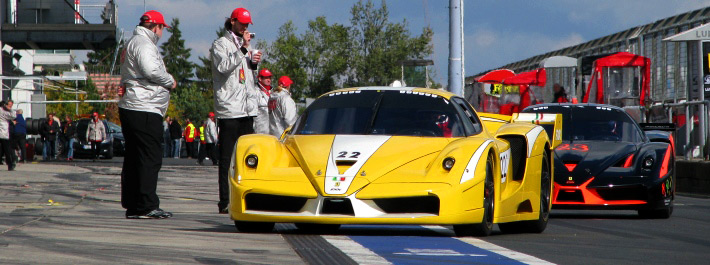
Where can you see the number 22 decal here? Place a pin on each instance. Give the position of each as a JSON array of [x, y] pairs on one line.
[[344, 154]]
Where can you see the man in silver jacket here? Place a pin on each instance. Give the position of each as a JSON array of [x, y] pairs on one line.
[[235, 104], [141, 109]]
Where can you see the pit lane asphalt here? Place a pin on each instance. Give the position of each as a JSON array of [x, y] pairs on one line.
[[84, 224]]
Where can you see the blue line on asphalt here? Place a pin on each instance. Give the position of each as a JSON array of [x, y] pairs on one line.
[[429, 250]]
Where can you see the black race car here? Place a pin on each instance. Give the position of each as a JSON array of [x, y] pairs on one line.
[[607, 161]]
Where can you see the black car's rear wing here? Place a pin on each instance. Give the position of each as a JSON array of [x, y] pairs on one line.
[[669, 127]]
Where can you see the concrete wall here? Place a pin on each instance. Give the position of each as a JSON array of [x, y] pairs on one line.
[[693, 177]]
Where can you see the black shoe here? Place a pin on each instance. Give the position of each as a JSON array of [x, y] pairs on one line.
[[11, 168], [224, 210], [154, 214]]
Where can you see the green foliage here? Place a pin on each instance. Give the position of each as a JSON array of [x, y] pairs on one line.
[[328, 56], [285, 56], [176, 56], [99, 61], [59, 91], [191, 102]]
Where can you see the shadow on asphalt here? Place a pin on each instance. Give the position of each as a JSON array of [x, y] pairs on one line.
[[623, 215]]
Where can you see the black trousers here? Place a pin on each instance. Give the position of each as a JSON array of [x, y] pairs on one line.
[[208, 150], [18, 140], [229, 131], [96, 149], [5, 145], [143, 132], [192, 149]]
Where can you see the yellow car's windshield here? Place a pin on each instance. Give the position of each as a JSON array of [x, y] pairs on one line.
[[385, 112]]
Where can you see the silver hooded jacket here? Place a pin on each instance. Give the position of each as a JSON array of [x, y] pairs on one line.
[[210, 132], [283, 112], [261, 121], [235, 96], [144, 75], [6, 116]]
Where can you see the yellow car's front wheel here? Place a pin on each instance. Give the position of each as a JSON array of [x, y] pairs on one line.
[[485, 227]]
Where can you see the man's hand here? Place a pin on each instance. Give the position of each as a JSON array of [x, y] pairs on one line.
[[174, 86], [121, 90], [256, 57]]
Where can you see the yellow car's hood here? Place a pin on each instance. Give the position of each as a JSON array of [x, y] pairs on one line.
[[339, 165]]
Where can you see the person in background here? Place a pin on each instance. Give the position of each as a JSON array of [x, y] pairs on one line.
[[176, 137], [141, 110], [211, 138], [261, 121], [234, 65], [20, 135], [167, 142], [201, 152], [560, 94], [191, 135], [282, 108], [48, 131], [70, 135], [95, 134], [7, 116]]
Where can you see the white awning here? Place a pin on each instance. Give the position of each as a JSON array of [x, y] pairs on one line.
[[558, 61], [701, 32]]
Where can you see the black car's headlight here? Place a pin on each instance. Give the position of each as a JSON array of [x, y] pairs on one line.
[[647, 163]]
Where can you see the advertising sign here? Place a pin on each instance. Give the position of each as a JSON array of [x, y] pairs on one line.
[[706, 68]]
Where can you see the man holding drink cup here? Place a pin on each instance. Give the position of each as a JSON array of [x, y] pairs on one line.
[[234, 65]]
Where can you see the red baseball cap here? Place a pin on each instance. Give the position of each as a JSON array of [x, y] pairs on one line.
[[285, 81], [265, 73], [211, 114], [96, 114], [242, 15], [155, 17]]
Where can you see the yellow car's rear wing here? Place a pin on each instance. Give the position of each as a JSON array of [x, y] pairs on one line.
[[552, 122]]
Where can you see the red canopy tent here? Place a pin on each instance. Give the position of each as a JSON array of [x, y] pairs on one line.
[[524, 80], [621, 59], [495, 76], [537, 77]]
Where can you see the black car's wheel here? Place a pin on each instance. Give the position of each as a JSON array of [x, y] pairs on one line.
[[109, 153], [485, 227], [667, 210], [317, 228], [539, 225], [254, 227]]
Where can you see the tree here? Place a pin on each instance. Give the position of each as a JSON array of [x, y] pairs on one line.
[[378, 45], [192, 103], [327, 50], [286, 56], [176, 56]]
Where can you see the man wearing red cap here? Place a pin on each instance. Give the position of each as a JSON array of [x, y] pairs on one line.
[[95, 134], [261, 121], [141, 110], [234, 65], [282, 108]]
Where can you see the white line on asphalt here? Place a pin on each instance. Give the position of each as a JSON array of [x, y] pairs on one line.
[[354, 250], [524, 258]]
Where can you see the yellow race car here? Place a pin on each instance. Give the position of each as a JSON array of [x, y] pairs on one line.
[[383, 155]]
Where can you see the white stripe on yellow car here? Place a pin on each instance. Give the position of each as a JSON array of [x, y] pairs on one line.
[[356, 149], [532, 137], [470, 170]]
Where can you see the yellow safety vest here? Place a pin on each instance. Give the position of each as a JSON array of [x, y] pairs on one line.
[[192, 130], [202, 133]]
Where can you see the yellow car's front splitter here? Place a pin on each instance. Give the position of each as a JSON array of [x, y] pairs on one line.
[[413, 203]]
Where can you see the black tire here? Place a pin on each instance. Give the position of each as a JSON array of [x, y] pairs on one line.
[[39, 147], [539, 225], [666, 211], [254, 227], [485, 227], [109, 153], [317, 228]]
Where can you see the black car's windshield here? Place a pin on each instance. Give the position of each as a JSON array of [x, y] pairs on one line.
[[384, 112], [593, 123]]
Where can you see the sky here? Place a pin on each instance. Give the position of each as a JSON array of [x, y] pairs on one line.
[[496, 32]]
